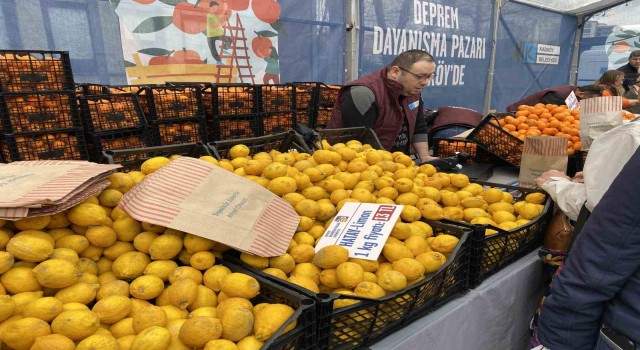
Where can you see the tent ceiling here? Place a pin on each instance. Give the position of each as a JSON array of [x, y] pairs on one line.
[[573, 7]]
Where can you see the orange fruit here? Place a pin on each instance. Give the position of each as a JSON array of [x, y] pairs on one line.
[[522, 113]]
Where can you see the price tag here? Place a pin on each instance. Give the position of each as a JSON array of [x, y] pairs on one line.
[[572, 101], [362, 228]]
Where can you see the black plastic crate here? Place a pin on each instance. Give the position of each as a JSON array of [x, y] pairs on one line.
[[98, 143], [139, 90], [450, 147], [132, 158], [111, 112], [227, 100], [276, 98], [325, 95], [282, 142], [233, 128], [363, 134], [63, 144], [38, 111], [172, 102], [35, 70], [88, 89], [176, 131], [323, 117], [364, 323], [490, 135], [490, 253], [303, 336], [273, 123]]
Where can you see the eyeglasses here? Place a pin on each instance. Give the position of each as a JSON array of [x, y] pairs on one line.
[[420, 77]]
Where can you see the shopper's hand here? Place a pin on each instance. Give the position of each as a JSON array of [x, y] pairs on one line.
[[547, 175], [579, 178]]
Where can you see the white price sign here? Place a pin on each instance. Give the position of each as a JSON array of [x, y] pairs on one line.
[[572, 101], [362, 228]]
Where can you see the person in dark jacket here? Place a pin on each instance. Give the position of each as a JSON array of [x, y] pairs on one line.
[[557, 95], [450, 121], [630, 69], [389, 102], [595, 299]]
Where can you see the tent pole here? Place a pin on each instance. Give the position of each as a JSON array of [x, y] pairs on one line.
[[575, 55], [352, 40], [492, 60]]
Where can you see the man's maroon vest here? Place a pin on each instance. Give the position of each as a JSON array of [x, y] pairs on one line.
[[390, 104], [563, 90]]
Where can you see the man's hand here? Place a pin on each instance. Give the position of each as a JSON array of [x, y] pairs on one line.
[[547, 175]]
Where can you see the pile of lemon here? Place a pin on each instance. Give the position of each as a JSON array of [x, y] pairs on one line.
[[317, 185], [95, 278]]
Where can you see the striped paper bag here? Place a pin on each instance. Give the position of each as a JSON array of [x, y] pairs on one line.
[[597, 116], [200, 198], [539, 154]]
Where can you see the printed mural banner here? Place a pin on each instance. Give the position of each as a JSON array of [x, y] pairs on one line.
[[220, 41]]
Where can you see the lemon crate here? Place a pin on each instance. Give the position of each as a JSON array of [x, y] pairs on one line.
[[360, 133], [33, 70], [99, 143], [302, 336], [132, 158], [370, 320], [38, 111], [103, 113], [489, 254], [450, 147], [59, 144], [282, 142]]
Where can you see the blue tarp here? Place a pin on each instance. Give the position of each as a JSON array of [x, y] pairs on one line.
[[523, 35]]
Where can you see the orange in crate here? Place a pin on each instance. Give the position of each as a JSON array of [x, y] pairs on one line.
[[232, 129], [279, 122], [175, 102], [39, 111], [22, 70], [448, 148], [172, 133], [63, 145], [112, 112], [276, 98]]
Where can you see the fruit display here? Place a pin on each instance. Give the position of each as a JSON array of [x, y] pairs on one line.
[[93, 276], [179, 131], [22, 71], [127, 139], [39, 146], [174, 102], [233, 128], [230, 99], [111, 112], [273, 123], [276, 98], [449, 147], [38, 111]]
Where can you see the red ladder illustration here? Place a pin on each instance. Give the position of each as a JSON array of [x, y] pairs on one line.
[[238, 57]]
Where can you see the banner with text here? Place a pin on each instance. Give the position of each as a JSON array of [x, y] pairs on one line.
[[456, 32]]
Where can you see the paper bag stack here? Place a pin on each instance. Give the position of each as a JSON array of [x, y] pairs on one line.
[[46, 187]]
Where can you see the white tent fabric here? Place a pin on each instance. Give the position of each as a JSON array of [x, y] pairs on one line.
[[573, 7]]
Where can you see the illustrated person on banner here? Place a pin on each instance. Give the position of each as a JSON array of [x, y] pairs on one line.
[[557, 95], [389, 102], [216, 20]]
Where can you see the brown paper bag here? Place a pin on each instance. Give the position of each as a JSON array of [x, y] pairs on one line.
[[539, 154], [200, 198], [597, 116]]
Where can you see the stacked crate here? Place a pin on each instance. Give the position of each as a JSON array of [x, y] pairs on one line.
[[231, 111], [277, 108], [113, 122], [175, 114], [306, 102], [327, 96], [38, 107]]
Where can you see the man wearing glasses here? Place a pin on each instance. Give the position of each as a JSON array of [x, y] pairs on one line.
[[388, 101]]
